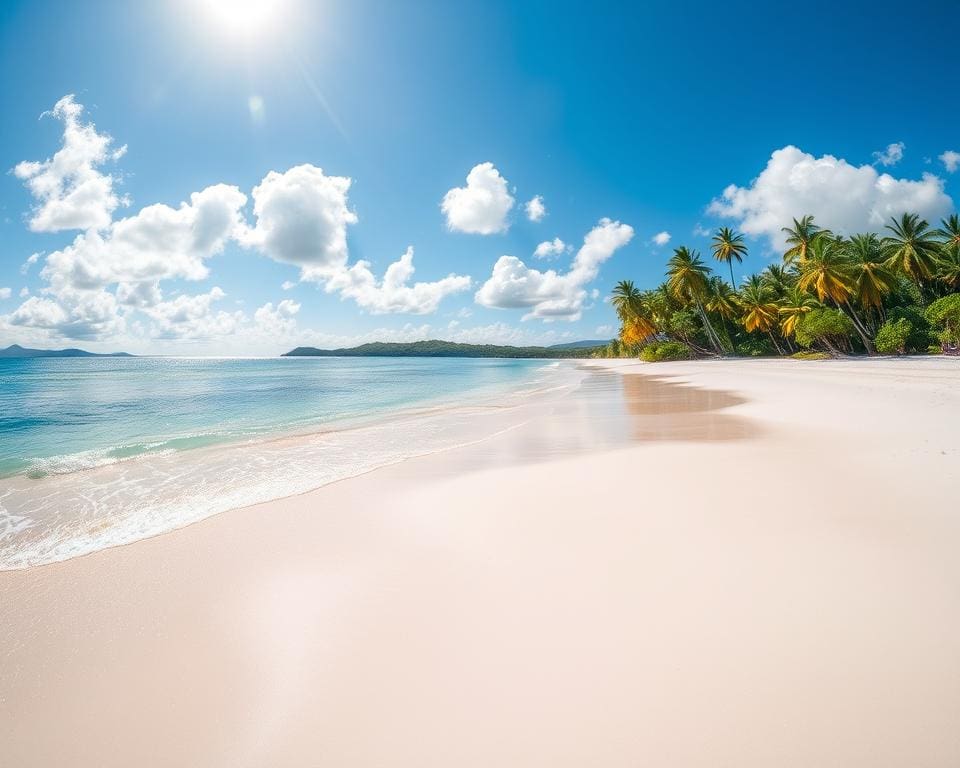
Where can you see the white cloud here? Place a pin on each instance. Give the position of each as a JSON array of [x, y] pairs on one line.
[[288, 285], [551, 249], [550, 295], [70, 192], [701, 231], [604, 330], [280, 322], [5, 293], [193, 317], [843, 197], [302, 219], [536, 210], [24, 292], [72, 314], [157, 243], [950, 160], [31, 260], [661, 238], [892, 155], [482, 206], [393, 293]]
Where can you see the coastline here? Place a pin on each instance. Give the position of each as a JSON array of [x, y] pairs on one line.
[[163, 489], [702, 564]]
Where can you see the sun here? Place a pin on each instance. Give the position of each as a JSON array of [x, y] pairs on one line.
[[244, 18]]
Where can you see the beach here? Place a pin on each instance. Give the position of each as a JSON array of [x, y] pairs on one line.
[[711, 563]]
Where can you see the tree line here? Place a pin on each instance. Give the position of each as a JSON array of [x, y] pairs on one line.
[[830, 294]]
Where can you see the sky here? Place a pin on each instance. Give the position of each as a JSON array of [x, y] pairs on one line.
[[245, 176]]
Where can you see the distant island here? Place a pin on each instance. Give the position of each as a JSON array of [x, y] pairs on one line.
[[437, 348], [15, 350]]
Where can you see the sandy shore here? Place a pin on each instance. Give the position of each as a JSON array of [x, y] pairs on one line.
[[760, 569]]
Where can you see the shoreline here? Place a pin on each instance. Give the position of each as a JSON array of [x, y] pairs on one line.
[[669, 568], [466, 421]]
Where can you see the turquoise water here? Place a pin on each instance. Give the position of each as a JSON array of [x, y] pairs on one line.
[[103, 451], [62, 415]]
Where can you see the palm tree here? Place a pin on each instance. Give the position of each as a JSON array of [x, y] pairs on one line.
[[949, 272], [760, 311], [777, 278], [950, 231], [912, 249], [872, 278], [728, 245], [636, 321], [723, 302], [829, 272], [799, 237], [793, 306], [687, 278], [826, 270]]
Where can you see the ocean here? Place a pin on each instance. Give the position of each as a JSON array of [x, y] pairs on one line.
[[103, 451]]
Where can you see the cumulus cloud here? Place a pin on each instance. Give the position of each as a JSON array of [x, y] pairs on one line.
[[5, 293], [536, 210], [950, 160], [24, 292], [892, 155], [551, 249], [72, 314], [550, 295], [302, 218], [661, 238], [844, 197], [70, 191], [193, 317], [394, 293], [481, 207], [279, 321], [288, 285]]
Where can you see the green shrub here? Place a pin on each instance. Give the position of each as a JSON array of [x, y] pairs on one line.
[[944, 316], [893, 335], [934, 349], [810, 356], [659, 351], [755, 346], [829, 327], [920, 337]]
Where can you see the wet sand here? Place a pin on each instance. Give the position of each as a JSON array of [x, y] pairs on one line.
[[746, 563]]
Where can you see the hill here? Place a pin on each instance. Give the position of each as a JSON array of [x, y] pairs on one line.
[[437, 348], [585, 344], [15, 350]]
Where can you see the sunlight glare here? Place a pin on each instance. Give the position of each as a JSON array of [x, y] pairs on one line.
[[244, 18]]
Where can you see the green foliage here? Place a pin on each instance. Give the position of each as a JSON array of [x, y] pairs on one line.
[[829, 327], [659, 351], [920, 336], [944, 316], [893, 335], [755, 346], [810, 356]]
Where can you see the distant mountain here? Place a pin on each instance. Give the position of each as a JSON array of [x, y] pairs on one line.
[[15, 350], [436, 348], [585, 344]]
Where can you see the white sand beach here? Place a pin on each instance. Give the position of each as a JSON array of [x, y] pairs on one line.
[[757, 568]]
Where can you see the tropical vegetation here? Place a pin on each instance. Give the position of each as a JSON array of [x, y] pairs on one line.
[[896, 292]]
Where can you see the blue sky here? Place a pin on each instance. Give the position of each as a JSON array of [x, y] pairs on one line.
[[357, 119]]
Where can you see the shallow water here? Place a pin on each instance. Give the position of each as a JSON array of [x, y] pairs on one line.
[[104, 451]]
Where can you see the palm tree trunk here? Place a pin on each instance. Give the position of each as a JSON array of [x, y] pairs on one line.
[[775, 345], [711, 334], [861, 330], [732, 281]]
